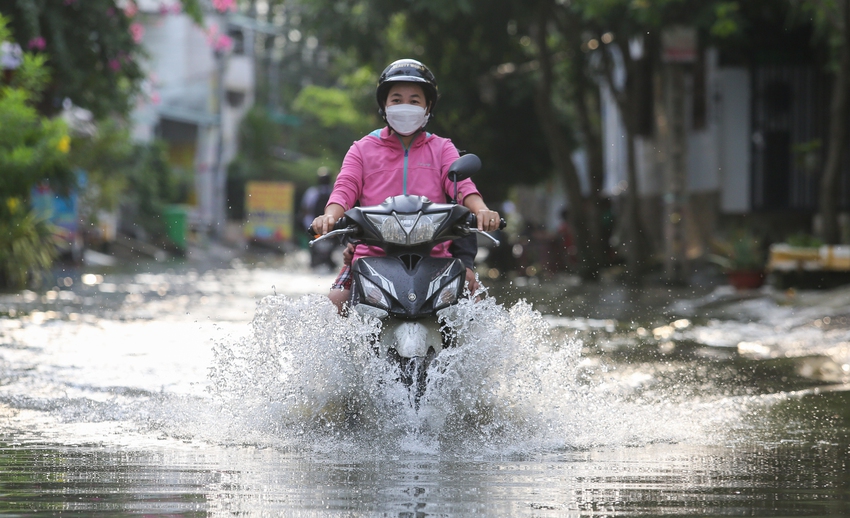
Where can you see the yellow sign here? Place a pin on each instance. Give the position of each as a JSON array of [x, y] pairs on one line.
[[269, 210]]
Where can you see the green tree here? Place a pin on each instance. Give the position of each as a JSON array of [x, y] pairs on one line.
[[331, 120], [91, 46], [152, 185], [565, 85], [33, 150], [258, 136], [625, 36]]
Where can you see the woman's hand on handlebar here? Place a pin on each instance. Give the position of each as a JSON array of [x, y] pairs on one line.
[[325, 223], [488, 220]]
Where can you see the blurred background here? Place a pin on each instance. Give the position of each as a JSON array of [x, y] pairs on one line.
[[619, 137]]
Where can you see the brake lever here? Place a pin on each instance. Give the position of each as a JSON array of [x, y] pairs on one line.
[[333, 233], [493, 239], [472, 226]]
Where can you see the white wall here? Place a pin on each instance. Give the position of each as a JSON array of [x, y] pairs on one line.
[[703, 155], [650, 173], [718, 156], [734, 139], [613, 142]]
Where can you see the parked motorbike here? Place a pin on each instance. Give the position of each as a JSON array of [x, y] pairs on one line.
[[407, 289]]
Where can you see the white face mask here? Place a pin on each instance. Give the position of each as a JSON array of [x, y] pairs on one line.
[[405, 119]]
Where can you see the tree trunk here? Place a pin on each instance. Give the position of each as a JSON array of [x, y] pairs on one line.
[[633, 241], [584, 220], [586, 101], [628, 102], [839, 119], [672, 137]]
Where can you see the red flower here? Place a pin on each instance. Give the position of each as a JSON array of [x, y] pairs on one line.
[[224, 5], [219, 41], [37, 43], [137, 30], [131, 9]]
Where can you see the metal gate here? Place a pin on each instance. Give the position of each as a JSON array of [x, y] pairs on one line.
[[790, 132]]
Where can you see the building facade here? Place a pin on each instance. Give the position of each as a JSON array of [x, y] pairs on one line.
[[200, 85], [755, 146]]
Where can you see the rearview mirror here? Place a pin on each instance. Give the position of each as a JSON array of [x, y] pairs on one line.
[[464, 167]]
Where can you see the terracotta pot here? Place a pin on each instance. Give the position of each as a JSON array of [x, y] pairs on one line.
[[746, 279]]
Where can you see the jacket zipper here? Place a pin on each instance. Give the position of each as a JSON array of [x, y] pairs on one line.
[[404, 175], [405, 172]]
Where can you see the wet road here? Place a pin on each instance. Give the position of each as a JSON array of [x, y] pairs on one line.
[[214, 391]]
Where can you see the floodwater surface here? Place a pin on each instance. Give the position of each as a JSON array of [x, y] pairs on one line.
[[239, 390]]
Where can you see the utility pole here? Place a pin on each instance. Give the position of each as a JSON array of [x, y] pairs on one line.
[[219, 169], [678, 53]]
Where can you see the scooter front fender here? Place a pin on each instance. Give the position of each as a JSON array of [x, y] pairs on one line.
[[412, 339]]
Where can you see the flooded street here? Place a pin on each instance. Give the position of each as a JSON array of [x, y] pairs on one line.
[[181, 390]]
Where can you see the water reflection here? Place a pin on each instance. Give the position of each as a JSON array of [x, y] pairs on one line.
[[240, 391], [757, 480]]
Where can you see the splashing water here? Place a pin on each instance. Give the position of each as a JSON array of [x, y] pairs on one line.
[[307, 378]]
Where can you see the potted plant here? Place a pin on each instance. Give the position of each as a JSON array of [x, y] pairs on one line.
[[742, 258]]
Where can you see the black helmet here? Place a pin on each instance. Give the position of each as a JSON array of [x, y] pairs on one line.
[[410, 71]]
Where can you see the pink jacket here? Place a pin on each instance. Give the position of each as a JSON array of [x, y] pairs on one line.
[[377, 166]]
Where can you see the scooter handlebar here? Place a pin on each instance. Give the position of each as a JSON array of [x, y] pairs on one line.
[[340, 224], [341, 227], [472, 221]]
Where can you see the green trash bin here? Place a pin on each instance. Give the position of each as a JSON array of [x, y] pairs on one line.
[[176, 224]]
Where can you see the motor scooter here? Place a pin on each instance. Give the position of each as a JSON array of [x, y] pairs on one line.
[[407, 289]]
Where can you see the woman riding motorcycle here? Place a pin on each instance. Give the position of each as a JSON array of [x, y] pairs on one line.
[[401, 158]]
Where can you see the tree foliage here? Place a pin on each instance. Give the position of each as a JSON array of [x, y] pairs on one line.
[[92, 53], [92, 48], [33, 149], [258, 136], [331, 107], [27, 244]]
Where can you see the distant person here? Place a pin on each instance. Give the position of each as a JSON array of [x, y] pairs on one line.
[[565, 245], [313, 204]]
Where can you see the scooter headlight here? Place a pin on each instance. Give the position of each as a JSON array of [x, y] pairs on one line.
[[448, 294], [407, 229], [424, 229], [373, 294], [389, 228]]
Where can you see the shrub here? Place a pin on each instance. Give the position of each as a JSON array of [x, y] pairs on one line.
[[27, 244]]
